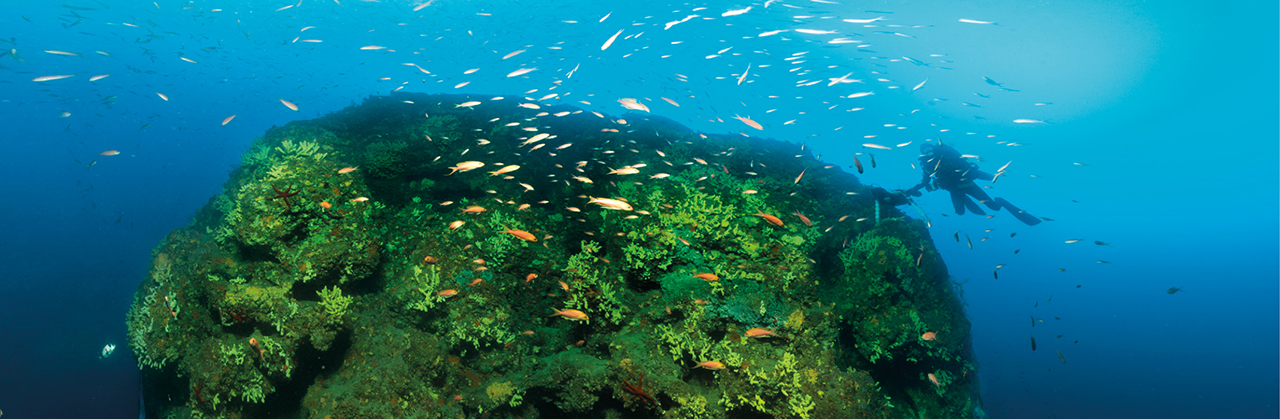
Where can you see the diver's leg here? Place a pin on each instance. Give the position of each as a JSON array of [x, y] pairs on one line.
[[961, 201], [1023, 216], [973, 206], [957, 200], [977, 193]]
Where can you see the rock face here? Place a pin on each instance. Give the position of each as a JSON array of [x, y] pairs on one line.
[[397, 290]]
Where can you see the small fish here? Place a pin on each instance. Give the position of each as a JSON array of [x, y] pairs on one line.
[[612, 204], [99, 77], [467, 104], [611, 39], [1028, 121], [228, 120], [521, 72], [991, 82], [1064, 359], [934, 379], [858, 164], [530, 277], [1033, 343], [454, 225], [711, 365], [757, 332], [448, 293], [869, 145], [474, 209], [360, 199], [750, 123], [570, 314], [966, 238], [346, 170], [166, 98], [289, 105], [624, 171], [918, 86], [735, 12], [801, 175], [505, 169], [521, 234], [465, 166], [1173, 290], [709, 277], [1101, 243], [632, 104], [771, 219], [979, 22], [929, 336], [1071, 241], [803, 219], [109, 153]]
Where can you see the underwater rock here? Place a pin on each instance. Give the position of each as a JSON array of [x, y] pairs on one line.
[[398, 289]]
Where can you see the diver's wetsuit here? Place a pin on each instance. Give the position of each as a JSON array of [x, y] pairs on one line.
[[943, 168]]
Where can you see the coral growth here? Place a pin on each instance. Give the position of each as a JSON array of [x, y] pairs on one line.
[[399, 290]]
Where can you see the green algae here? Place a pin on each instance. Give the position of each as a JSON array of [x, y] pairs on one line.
[[342, 278]]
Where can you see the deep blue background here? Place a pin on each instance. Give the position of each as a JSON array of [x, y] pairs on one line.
[[1171, 107]]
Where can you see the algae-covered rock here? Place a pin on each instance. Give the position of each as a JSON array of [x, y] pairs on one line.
[[593, 267]]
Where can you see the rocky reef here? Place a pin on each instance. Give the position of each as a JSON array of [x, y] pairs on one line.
[[345, 272]]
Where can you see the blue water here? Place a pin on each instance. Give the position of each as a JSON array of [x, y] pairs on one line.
[[1161, 140]]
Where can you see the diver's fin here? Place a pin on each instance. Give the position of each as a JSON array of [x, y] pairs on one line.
[[1023, 216]]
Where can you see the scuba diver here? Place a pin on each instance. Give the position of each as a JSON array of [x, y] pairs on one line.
[[944, 168]]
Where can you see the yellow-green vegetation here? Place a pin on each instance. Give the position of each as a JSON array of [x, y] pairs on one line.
[[398, 289], [335, 304]]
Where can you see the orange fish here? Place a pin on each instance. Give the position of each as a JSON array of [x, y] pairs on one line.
[[109, 153], [448, 293], [750, 123], [803, 219], [564, 285], [530, 277], [709, 277], [225, 121], [771, 219], [325, 204], [430, 259], [570, 314], [858, 164], [711, 365], [522, 235], [288, 104], [527, 332], [475, 281], [360, 199], [253, 343], [454, 225], [758, 332], [929, 336], [346, 170], [934, 379], [474, 209]]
